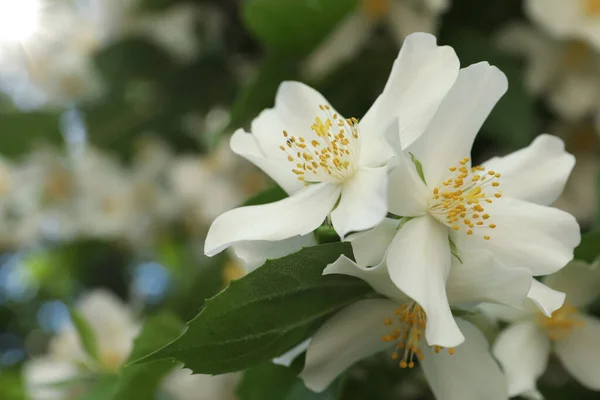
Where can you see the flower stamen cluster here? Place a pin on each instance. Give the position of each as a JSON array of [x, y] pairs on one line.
[[562, 322]]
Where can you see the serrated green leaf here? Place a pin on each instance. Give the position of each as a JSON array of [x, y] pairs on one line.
[[86, 334], [158, 330], [274, 382], [294, 25], [270, 195], [265, 313], [589, 248]]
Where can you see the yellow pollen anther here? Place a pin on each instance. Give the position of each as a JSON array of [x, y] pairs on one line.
[[592, 8], [562, 322], [486, 237], [492, 226]]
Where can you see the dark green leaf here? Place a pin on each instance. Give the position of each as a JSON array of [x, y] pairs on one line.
[[268, 196], [294, 25], [86, 334], [158, 331], [273, 382], [589, 248], [21, 131], [265, 313]]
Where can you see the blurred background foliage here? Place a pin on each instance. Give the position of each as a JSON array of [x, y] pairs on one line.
[[246, 48]]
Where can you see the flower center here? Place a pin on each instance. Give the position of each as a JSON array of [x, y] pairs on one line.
[[376, 9], [562, 322], [412, 322], [576, 54], [460, 201], [592, 8], [331, 156]]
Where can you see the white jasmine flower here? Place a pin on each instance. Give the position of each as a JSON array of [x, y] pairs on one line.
[[114, 329], [402, 17], [564, 71], [576, 19], [182, 385], [524, 347], [332, 166], [398, 324], [453, 207]]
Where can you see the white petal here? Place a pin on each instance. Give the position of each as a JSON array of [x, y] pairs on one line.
[[537, 173], [580, 352], [299, 214], [450, 135], [369, 247], [574, 95], [528, 235], [346, 41], [469, 374], [557, 17], [419, 262], [349, 336], [479, 278], [578, 280], [407, 194], [522, 350], [255, 253], [545, 298], [41, 376], [245, 145], [405, 18], [288, 358], [420, 78], [377, 277], [363, 202]]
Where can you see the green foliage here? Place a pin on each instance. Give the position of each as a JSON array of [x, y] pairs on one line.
[[270, 195], [22, 131], [294, 26], [589, 248], [86, 334], [274, 382], [142, 381], [265, 313]]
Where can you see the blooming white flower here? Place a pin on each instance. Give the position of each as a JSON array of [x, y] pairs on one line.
[[114, 329], [524, 346], [330, 165], [397, 324], [577, 19], [565, 71], [452, 206], [402, 17], [182, 385]]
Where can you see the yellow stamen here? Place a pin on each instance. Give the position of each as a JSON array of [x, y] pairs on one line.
[[562, 322]]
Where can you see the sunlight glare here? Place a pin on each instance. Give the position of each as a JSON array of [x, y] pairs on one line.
[[18, 19]]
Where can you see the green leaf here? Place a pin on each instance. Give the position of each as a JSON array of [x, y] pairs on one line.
[[326, 234], [142, 381], [589, 248], [265, 313], [418, 167], [274, 382], [21, 131], [268, 196], [294, 25], [101, 390], [86, 334], [514, 120]]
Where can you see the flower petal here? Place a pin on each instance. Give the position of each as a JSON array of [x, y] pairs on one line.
[[480, 279], [537, 173], [546, 299], [363, 203], [580, 352], [419, 262], [557, 17], [407, 194], [299, 214], [43, 375], [450, 135], [256, 252], [469, 374], [377, 277], [349, 336], [522, 350], [288, 358], [420, 78], [578, 280], [528, 235], [245, 145], [346, 41], [369, 247]]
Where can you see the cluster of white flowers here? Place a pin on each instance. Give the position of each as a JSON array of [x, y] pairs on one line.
[[51, 196], [54, 64], [430, 231], [68, 370]]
